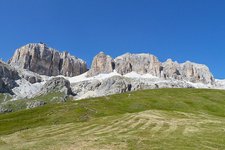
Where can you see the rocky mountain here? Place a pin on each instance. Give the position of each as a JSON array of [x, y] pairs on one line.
[[8, 76], [36, 69], [102, 63], [113, 83], [187, 71], [149, 64], [139, 63], [41, 59], [57, 84]]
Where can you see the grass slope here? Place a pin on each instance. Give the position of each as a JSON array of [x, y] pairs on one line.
[[151, 119], [4, 97], [50, 98]]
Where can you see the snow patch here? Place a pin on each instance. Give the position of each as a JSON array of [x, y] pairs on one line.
[[136, 75], [26, 89], [83, 77], [219, 84]]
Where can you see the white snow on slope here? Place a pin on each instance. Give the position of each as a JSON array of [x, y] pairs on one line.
[[200, 85], [83, 77], [220, 84], [26, 89], [136, 75]]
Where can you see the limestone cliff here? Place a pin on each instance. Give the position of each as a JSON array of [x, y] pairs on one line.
[[41, 59]]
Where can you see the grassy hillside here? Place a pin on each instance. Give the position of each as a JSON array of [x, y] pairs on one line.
[[4, 97], [151, 119], [51, 98]]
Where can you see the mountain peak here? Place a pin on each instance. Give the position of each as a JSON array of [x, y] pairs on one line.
[[101, 63], [41, 59]]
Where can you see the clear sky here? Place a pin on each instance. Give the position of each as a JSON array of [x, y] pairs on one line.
[[179, 29]]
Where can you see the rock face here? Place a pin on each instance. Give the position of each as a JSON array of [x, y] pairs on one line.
[[149, 64], [57, 84], [101, 64], [197, 73], [187, 71], [95, 88], [139, 63], [30, 76], [121, 84], [127, 72], [8, 75], [43, 60], [115, 84], [170, 69]]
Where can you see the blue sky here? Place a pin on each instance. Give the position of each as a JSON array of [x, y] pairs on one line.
[[179, 29]]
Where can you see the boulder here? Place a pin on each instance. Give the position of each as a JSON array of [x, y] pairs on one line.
[[57, 84], [115, 84]]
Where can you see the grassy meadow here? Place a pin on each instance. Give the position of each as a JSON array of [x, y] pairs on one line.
[[150, 119]]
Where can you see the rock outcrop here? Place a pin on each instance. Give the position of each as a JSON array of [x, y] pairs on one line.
[[57, 84], [128, 72], [8, 75], [102, 63], [30, 76], [121, 84], [96, 88], [188, 71], [35, 104], [197, 73], [149, 64], [41, 59], [170, 69], [5, 110], [139, 63]]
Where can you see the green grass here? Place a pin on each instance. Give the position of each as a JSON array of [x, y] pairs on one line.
[[150, 119], [21, 104], [4, 97]]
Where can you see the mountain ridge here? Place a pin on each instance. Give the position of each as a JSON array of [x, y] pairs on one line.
[[38, 71], [41, 59]]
